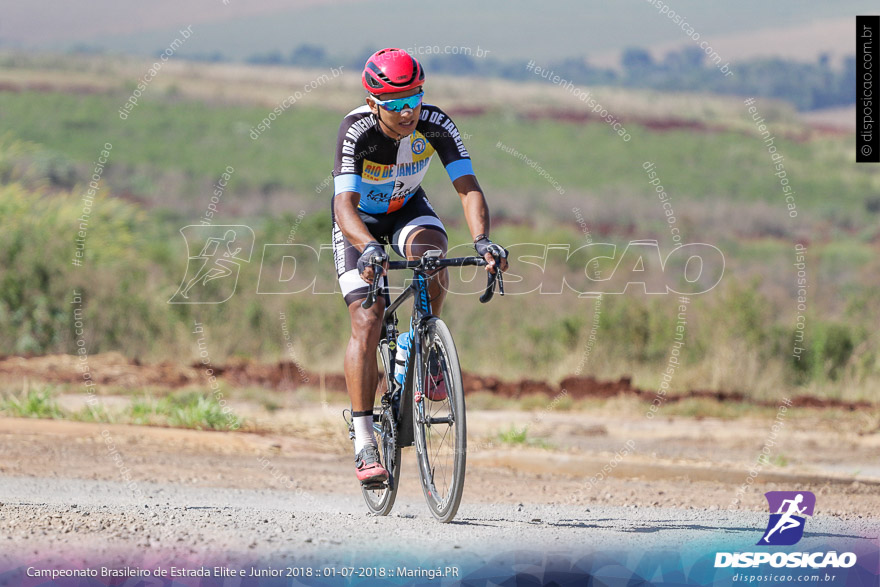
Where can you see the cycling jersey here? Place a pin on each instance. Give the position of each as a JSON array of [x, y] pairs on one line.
[[387, 173], [393, 229]]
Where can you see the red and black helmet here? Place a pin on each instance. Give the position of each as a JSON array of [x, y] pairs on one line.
[[392, 70]]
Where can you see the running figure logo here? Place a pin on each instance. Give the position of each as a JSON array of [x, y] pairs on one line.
[[222, 249], [786, 526]]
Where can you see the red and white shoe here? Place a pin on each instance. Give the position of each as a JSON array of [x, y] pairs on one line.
[[369, 470]]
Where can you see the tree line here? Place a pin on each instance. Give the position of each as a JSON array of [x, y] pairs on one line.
[[807, 85]]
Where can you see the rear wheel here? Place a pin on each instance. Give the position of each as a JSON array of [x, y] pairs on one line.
[[440, 427], [380, 499]]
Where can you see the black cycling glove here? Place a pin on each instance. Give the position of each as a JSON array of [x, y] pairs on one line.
[[373, 249], [484, 245]]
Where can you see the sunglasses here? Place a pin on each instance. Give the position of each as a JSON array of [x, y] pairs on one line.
[[400, 104]]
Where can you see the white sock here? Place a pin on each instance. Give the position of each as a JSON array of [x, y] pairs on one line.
[[363, 431]]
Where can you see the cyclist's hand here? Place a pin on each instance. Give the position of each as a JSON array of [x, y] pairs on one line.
[[491, 251], [365, 267]]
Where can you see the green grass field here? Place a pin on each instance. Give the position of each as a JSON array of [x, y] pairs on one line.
[[170, 151], [185, 146]]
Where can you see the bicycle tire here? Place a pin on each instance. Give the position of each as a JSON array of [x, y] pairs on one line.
[[381, 501], [442, 461]]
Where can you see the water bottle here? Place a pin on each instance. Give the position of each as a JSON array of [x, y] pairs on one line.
[[403, 340]]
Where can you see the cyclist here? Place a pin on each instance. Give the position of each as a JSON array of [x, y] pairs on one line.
[[382, 154]]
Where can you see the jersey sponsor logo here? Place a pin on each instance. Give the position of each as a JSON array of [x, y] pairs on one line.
[[377, 195], [421, 148], [413, 168], [378, 172], [388, 192], [358, 128], [449, 127], [338, 250], [387, 197], [432, 116], [347, 165], [401, 191], [399, 196]]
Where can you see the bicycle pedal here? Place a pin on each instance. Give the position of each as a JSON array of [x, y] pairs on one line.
[[349, 421], [375, 486]]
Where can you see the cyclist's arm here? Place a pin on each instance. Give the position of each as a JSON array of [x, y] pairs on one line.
[[345, 208], [448, 143], [476, 211], [347, 168], [354, 229]]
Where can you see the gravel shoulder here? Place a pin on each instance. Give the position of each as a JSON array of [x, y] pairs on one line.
[[84, 522], [84, 491]]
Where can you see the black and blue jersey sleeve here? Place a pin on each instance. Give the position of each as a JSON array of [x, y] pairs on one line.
[[436, 126], [351, 149]]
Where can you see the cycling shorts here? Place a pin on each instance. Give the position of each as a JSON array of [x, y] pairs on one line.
[[391, 229]]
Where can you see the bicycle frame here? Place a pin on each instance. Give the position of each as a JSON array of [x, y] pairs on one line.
[[421, 313]]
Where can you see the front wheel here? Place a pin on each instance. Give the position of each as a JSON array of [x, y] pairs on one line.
[[440, 424]]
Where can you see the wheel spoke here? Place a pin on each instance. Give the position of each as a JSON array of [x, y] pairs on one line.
[[442, 467], [435, 440], [440, 426]]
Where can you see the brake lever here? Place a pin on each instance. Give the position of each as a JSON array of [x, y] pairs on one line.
[[490, 288], [494, 281], [373, 293]]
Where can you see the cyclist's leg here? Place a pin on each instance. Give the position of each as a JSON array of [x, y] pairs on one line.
[[361, 369], [419, 229], [361, 380], [424, 239]]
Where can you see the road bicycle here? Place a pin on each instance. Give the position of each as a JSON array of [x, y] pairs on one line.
[[406, 416]]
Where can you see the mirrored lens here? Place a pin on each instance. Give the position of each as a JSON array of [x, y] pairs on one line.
[[399, 104]]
